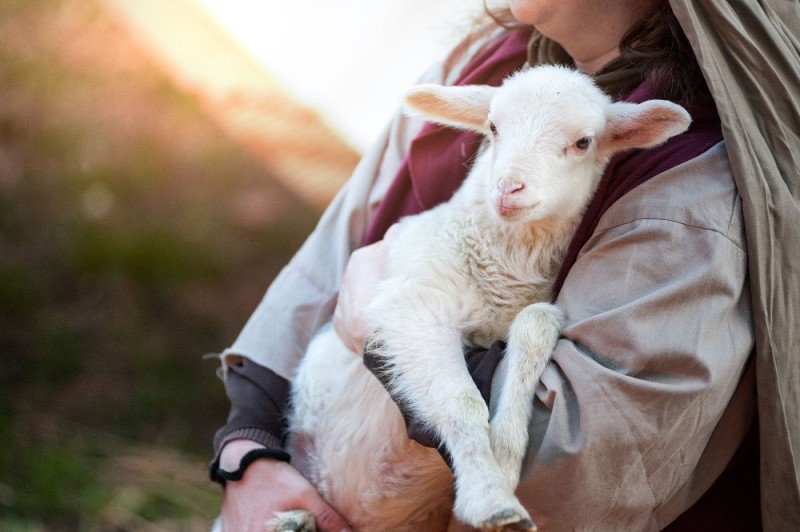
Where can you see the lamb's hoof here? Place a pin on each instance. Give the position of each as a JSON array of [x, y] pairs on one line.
[[506, 520], [525, 524], [293, 521]]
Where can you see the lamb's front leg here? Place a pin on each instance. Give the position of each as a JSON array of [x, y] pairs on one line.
[[428, 374], [531, 340]]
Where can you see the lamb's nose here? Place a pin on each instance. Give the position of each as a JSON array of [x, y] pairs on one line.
[[509, 187]]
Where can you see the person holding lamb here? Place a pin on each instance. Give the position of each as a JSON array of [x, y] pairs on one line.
[[475, 269], [679, 287]]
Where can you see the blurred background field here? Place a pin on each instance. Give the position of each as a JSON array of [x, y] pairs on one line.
[[135, 236], [150, 190]]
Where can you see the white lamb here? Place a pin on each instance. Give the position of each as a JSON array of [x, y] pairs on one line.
[[474, 270]]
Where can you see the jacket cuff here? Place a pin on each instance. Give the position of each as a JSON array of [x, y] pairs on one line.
[[265, 438]]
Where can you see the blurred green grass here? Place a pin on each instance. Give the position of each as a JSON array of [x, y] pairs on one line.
[[129, 247]]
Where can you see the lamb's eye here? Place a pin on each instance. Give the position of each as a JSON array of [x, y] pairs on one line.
[[583, 143], [492, 128]]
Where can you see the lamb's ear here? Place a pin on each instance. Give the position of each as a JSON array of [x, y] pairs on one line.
[[642, 125], [464, 106]]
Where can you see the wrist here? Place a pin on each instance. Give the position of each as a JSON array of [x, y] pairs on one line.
[[247, 452], [233, 451]]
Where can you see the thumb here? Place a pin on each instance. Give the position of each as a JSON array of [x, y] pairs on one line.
[[328, 520]]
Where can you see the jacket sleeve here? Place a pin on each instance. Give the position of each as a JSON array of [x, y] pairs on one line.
[[258, 399], [646, 398]]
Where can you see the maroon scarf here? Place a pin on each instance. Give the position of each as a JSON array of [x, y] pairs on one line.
[[439, 157]]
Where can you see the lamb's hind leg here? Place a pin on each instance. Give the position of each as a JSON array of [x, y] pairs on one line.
[[532, 338], [429, 375]]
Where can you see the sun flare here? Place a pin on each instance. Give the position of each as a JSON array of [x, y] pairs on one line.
[[321, 48]]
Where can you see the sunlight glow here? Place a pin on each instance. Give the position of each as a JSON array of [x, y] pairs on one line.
[[351, 59]]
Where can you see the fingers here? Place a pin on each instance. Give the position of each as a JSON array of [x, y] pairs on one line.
[[327, 518], [268, 488], [363, 273]]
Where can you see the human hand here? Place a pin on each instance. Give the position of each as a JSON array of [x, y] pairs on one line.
[[364, 271], [269, 486]]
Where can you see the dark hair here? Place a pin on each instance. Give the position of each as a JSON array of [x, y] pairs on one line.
[[656, 45], [661, 50]]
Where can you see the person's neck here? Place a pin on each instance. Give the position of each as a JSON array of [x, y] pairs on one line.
[[591, 63]]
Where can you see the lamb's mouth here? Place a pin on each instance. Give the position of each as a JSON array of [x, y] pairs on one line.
[[511, 211]]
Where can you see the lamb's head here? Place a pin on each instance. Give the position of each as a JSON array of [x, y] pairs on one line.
[[552, 133]]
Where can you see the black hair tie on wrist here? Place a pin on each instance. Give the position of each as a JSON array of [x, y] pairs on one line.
[[248, 459]]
